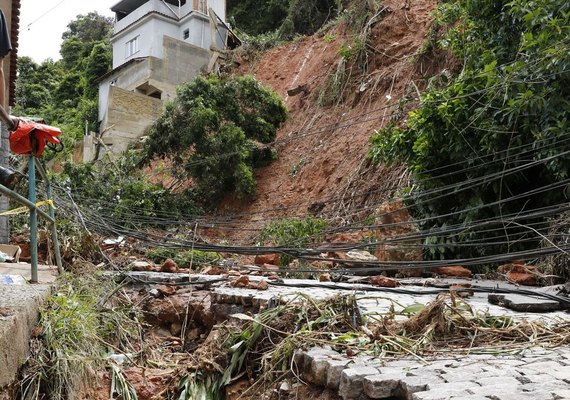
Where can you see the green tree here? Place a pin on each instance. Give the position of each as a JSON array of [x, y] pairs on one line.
[[288, 17], [98, 63], [255, 17], [92, 27], [215, 130], [65, 92]]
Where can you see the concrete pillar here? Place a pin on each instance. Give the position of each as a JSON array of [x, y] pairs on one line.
[[4, 202]]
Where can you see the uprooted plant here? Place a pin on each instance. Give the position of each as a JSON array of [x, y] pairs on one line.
[[261, 348]]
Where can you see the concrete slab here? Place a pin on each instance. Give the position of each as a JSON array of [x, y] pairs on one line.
[[518, 302], [18, 271], [20, 303]]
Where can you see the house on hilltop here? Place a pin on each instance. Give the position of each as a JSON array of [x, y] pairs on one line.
[[157, 45]]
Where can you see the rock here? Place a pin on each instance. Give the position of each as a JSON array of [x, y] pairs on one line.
[[140, 266], [361, 255], [297, 90], [456, 271], [213, 271], [383, 281], [394, 221], [166, 290], [270, 267], [169, 266], [262, 259], [520, 273], [241, 282], [522, 303], [522, 278], [322, 264], [516, 266], [324, 278], [262, 285], [175, 328], [352, 381], [154, 293], [294, 264]]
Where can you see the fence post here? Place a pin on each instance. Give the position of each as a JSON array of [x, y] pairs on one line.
[[33, 217], [54, 231]]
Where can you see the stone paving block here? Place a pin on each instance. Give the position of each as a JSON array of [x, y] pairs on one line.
[[470, 397], [561, 394], [548, 386], [352, 381], [413, 384], [536, 378], [562, 373], [522, 396], [334, 372], [381, 386], [318, 370], [299, 360], [451, 386], [455, 394], [315, 364], [498, 381], [552, 368], [492, 391]]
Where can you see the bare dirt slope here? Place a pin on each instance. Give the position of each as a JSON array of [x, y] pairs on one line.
[[322, 167]]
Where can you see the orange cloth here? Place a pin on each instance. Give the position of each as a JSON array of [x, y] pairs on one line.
[[20, 139]]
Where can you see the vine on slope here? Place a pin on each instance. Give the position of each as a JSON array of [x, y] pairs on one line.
[[509, 106]]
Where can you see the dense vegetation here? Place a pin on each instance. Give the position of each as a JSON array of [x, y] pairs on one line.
[[215, 131], [491, 144], [285, 17], [64, 92]]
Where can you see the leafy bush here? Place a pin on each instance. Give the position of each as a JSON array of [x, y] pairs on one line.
[[215, 130], [123, 192], [79, 327], [293, 233], [507, 107]]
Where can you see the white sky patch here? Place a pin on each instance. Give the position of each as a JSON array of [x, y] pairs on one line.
[[42, 39]]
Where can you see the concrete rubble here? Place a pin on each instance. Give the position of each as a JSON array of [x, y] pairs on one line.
[[535, 373]]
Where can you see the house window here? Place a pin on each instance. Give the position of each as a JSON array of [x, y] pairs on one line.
[[186, 34], [132, 47]]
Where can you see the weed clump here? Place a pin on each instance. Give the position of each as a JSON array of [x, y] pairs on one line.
[[80, 327]]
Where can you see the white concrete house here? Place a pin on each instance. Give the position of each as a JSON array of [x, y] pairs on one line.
[[157, 45]]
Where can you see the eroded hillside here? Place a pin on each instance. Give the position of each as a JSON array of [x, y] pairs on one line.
[[322, 167]]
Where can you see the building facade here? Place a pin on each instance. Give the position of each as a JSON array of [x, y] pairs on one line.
[[157, 45], [11, 9]]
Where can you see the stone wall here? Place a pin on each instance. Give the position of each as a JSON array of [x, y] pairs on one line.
[[128, 115]]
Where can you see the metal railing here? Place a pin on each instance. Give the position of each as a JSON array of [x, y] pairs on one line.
[[30, 203]]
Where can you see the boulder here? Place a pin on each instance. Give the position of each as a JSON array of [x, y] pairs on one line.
[[520, 273], [169, 266], [456, 271], [383, 281], [262, 259]]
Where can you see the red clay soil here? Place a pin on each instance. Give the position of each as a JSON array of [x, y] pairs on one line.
[[322, 167]]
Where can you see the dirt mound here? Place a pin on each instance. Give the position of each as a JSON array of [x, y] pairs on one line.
[[322, 167]]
